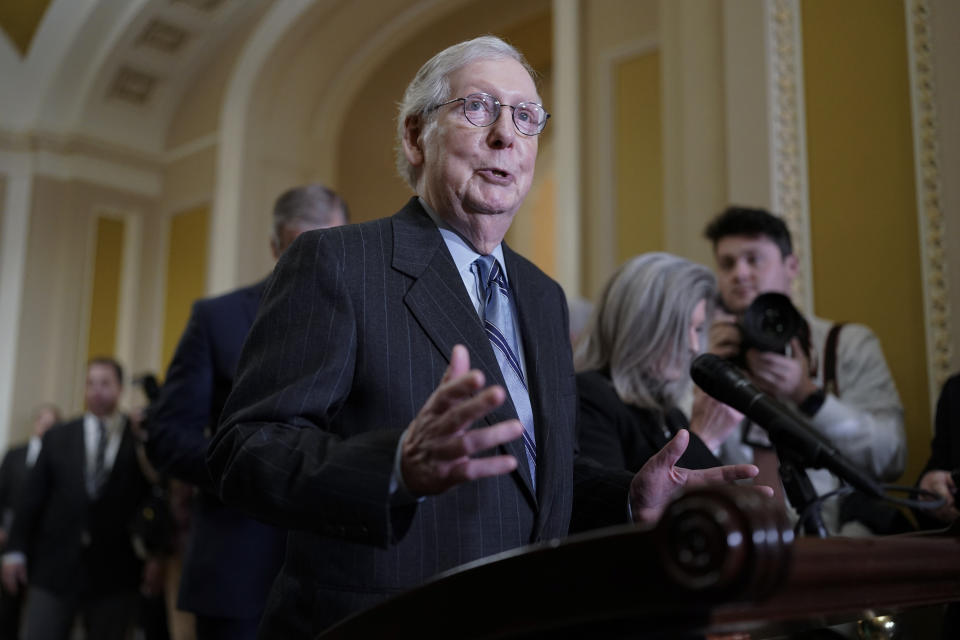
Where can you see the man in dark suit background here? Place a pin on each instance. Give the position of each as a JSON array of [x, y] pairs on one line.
[[231, 560], [71, 531], [356, 419], [13, 471]]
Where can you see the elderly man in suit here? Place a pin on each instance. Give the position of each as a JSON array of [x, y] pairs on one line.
[[356, 419], [71, 532], [231, 560]]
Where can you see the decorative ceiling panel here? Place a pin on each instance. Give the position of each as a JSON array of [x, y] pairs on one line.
[[163, 36], [132, 85], [200, 5]]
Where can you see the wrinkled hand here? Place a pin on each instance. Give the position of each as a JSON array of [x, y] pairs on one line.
[[940, 483], [660, 480], [14, 575], [712, 420], [784, 377], [439, 444]]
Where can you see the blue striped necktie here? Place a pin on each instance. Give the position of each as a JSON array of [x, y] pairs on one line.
[[498, 322]]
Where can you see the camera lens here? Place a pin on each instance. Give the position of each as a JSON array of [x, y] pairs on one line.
[[771, 322]]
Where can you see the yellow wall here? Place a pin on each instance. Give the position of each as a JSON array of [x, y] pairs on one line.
[[105, 297], [866, 262], [186, 273], [20, 20], [639, 157]]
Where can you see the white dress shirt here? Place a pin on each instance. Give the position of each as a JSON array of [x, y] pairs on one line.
[[91, 440]]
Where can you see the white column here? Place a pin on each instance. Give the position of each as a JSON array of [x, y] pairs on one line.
[[13, 257], [566, 71], [229, 202]]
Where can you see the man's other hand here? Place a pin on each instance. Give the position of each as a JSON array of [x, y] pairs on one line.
[[660, 480], [439, 444], [941, 483]]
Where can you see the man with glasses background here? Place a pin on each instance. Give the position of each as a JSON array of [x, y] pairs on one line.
[[356, 420]]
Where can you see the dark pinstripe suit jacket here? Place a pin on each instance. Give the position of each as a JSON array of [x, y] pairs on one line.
[[352, 336]]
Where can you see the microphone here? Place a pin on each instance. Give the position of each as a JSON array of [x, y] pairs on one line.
[[789, 429]]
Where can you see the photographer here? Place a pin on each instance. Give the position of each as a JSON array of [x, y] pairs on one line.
[[839, 379]]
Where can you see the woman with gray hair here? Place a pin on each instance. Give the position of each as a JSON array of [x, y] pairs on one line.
[[633, 362]]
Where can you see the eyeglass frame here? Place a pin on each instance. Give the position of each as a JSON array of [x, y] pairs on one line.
[[500, 106]]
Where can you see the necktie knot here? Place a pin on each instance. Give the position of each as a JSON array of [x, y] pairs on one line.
[[490, 272]]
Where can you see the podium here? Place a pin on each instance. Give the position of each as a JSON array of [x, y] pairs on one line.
[[720, 560]]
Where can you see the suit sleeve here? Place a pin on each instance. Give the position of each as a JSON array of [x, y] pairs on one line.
[[29, 504], [278, 453], [177, 422], [866, 421], [6, 504]]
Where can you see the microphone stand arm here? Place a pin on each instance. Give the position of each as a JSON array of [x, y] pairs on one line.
[[800, 491]]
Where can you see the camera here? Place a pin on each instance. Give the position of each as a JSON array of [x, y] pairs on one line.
[[770, 323]]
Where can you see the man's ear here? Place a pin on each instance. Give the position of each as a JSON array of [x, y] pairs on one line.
[[412, 140], [793, 266]]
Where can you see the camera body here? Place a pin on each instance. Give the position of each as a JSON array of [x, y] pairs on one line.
[[770, 323]]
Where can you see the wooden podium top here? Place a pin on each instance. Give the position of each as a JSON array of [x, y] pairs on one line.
[[719, 560]]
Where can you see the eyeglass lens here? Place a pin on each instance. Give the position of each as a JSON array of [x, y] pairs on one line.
[[482, 110]]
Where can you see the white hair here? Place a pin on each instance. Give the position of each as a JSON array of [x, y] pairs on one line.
[[640, 326], [431, 87]]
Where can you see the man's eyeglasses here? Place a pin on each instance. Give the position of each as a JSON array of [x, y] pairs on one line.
[[482, 110]]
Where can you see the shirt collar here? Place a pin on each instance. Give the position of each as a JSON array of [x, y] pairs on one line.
[[463, 254], [112, 422]]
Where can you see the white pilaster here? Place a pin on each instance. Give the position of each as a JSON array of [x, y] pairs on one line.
[[17, 168], [566, 71]]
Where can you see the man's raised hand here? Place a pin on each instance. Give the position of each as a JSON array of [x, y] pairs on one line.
[[439, 445]]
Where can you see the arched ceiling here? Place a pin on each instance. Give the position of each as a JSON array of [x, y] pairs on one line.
[[107, 72]]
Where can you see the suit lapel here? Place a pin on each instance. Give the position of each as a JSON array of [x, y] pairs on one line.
[[79, 445], [442, 307], [542, 383]]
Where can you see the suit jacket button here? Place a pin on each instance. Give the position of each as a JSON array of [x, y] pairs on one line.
[[85, 538]]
